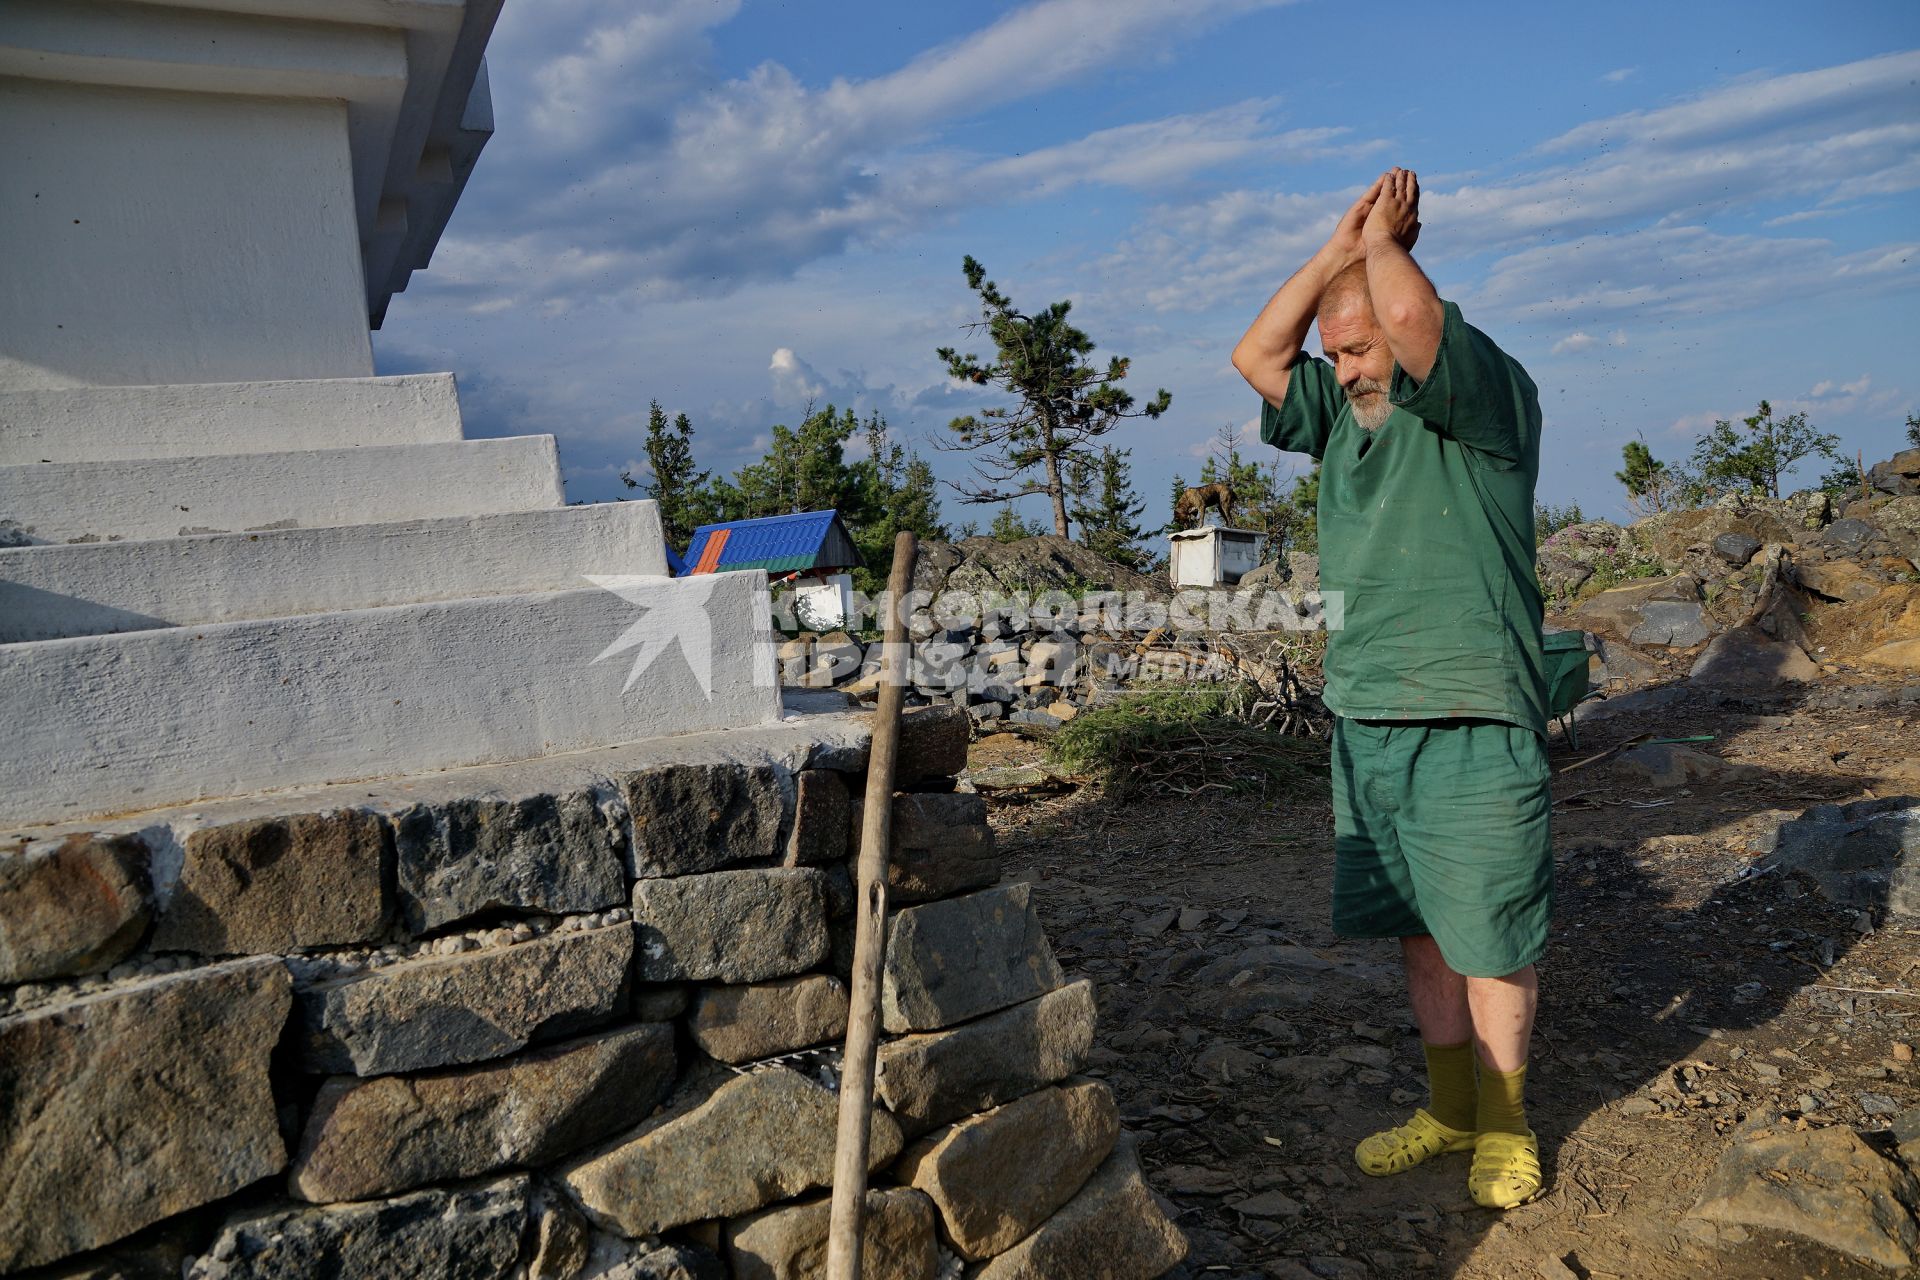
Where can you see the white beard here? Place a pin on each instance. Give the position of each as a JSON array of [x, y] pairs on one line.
[[1370, 411]]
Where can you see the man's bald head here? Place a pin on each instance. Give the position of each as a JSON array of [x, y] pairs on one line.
[[1362, 359], [1346, 292]]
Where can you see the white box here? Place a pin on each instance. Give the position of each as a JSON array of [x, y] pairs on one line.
[[823, 604], [1212, 556]]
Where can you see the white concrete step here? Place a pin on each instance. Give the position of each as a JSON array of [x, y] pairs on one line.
[[97, 424], [96, 588], [809, 733], [169, 497], [104, 724]]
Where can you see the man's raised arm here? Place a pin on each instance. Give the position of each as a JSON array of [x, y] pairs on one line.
[[1405, 306], [1266, 355]]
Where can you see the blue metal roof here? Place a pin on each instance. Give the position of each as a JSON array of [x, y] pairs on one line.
[[778, 544]]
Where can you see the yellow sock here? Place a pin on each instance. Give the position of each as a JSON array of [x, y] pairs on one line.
[[1503, 1107], [1450, 1088]]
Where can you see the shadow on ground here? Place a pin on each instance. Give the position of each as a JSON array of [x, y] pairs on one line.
[[1681, 995]]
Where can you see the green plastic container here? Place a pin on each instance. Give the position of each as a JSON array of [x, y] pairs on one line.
[[1566, 655]]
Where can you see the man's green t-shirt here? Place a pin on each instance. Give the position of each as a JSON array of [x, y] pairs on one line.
[[1426, 527]]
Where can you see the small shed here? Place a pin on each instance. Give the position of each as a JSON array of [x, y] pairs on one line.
[[808, 550], [1213, 556]]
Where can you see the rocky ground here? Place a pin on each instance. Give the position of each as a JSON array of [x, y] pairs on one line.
[[1687, 1002]]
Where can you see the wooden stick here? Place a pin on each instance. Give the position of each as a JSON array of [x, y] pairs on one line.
[[846, 1226]]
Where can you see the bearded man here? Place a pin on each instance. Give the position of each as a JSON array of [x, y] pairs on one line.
[[1428, 438]]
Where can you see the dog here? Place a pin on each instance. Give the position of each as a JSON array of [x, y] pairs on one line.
[[1191, 509]]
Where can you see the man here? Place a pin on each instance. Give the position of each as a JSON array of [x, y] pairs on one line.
[[1428, 436]]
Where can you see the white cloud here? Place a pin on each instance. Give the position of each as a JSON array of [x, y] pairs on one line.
[[1618, 75], [1575, 341], [644, 172], [1649, 180], [794, 380]]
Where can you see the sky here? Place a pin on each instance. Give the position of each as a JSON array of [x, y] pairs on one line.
[[1666, 212]]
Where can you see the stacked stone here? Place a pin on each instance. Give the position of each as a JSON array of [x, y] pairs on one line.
[[494, 1027], [1021, 667]]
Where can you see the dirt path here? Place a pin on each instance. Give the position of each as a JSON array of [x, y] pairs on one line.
[[1252, 1049]]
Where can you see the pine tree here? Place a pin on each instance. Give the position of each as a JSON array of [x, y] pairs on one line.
[[1650, 484], [804, 469], [1009, 526], [898, 492], [675, 484], [1109, 521], [1062, 400]]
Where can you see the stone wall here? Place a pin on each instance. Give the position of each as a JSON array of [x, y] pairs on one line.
[[576, 1017], [1014, 638]]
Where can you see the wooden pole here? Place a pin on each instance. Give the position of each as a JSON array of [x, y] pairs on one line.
[[846, 1225]]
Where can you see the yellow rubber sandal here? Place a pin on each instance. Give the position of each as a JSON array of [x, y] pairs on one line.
[[1506, 1170], [1399, 1149]]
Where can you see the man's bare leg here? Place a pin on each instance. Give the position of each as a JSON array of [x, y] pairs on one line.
[[1446, 1123], [1502, 1010], [1441, 1006]]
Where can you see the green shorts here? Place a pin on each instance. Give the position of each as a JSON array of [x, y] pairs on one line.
[[1440, 828]]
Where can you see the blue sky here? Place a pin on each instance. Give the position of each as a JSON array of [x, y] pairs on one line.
[[1666, 211]]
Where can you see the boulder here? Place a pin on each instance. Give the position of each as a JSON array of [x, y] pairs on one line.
[[1898, 519], [668, 1262], [161, 1252], [559, 1239], [1736, 548], [79, 906], [1671, 765], [1637, 702], [554, 854], [1843, 581], [933, 743], [367, 1138], [689, 818], [1748, 658], [1620, 611], [1864, 855], [1303, 570], [123, 1108], [1686, 541], [1112, 1230], [740, 1146], [1272, 574], [995, 1177], [1620, 661], [932, 562], [950, 961], [1032, 567], [790, 1242], [1850, 536], [731, 926], [1678, 624], [1901, 655], [280, 884], [1823, 1184], [941, 842], [1561, 575], [929, 1079], [1899, 474], [452, 1233], [1586, 542], [822, 805], [742, 1024], [443, 1011]]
